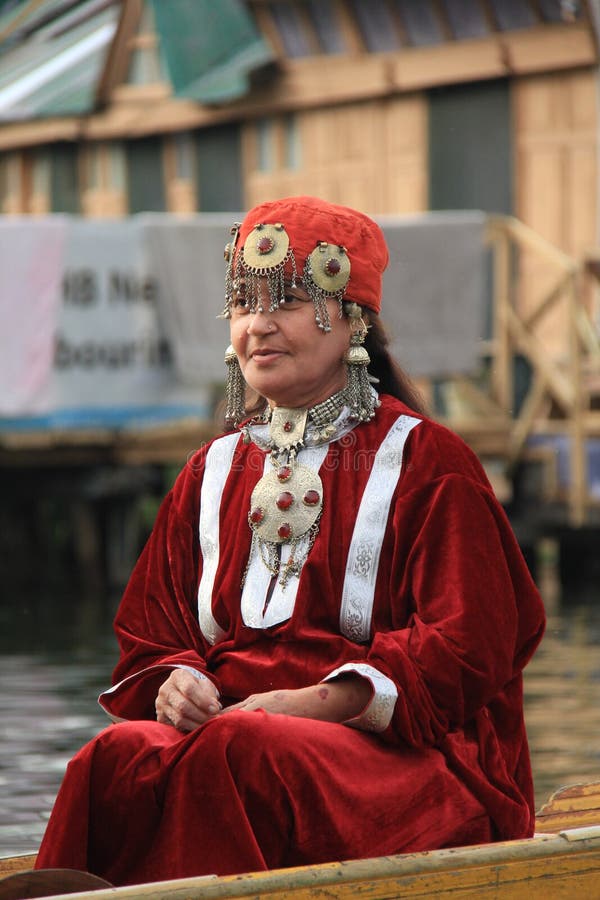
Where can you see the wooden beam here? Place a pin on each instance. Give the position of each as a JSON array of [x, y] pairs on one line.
[[17, 135], [548, 48], [502, 374], [547, 302], [559, 386], [529, 238], [415, 68], [117, 58], [522, 426]]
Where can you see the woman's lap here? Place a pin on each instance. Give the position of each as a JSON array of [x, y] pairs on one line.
[[250, 791]]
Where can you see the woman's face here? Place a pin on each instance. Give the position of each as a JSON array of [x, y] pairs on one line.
[[284, 355]]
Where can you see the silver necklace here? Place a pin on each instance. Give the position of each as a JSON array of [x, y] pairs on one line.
[[287, 502]]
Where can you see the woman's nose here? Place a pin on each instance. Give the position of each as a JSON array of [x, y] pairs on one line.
[[261, 323]]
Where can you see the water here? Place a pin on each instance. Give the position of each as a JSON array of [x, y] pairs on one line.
[[56, 654], [54, 663], [562, 701]]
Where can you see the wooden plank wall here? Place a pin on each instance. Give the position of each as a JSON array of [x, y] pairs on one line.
[[555, 120], [372, 155]]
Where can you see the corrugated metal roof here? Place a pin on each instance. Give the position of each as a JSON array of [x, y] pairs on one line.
[[56, 70], [23, 19]]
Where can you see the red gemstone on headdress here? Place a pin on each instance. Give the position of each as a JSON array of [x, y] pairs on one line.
[[265, 245], [283, 473], [287, 426], [284, 531], [257, 515], [311, 498], [285, 500], [332, 266]]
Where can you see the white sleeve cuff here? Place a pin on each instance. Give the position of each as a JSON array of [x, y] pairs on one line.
[[377, 715], [199, 676]]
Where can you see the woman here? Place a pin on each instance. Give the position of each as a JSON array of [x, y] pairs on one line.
[[322, 642]]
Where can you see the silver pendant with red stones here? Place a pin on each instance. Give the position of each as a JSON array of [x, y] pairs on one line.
[[286, 503]]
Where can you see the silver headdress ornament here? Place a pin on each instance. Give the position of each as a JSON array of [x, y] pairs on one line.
[[326, 274], [266, 253]]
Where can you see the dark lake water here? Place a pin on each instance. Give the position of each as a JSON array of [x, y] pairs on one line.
[[55, 657]]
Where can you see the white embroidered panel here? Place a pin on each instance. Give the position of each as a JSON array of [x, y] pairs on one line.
[[369, 530], [216, 470], [258, 577]]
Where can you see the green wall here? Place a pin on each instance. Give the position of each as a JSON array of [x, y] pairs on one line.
[[64, 188], [219, 172], [470, 152], [145, 178]]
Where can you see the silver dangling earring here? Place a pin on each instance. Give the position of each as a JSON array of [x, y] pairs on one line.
[[235, 389], [362, 399]]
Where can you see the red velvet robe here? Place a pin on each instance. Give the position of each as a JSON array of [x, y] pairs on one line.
[[453, 618]]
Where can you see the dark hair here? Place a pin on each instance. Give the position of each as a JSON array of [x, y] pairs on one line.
[[391, 378]]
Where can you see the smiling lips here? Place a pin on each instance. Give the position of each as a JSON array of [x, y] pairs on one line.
[[265, 354]]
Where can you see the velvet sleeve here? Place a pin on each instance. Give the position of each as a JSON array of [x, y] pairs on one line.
[[475, 614], [156, 624]]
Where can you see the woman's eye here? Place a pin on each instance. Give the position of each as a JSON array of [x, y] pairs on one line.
[[240, 304], [289, 299]]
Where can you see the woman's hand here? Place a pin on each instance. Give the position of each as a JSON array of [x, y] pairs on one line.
[[186, 701], [333, 701]]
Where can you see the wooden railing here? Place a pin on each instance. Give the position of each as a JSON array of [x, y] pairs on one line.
[[564, 377]]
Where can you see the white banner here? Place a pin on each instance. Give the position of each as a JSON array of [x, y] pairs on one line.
[[105, 358]]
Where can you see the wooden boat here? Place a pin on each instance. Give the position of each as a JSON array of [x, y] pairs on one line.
[[561, 861]]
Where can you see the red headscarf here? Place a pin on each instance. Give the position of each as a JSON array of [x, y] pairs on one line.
[[309, 220]]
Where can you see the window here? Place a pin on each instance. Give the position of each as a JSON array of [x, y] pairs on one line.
[[180, 166], [104, 179], [292, 146], [265, 145], [4, 182], [278, 144], [25, 182], [184, 156], [40, 200]]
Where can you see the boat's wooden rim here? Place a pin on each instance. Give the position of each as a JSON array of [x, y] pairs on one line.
[[563, 863]]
